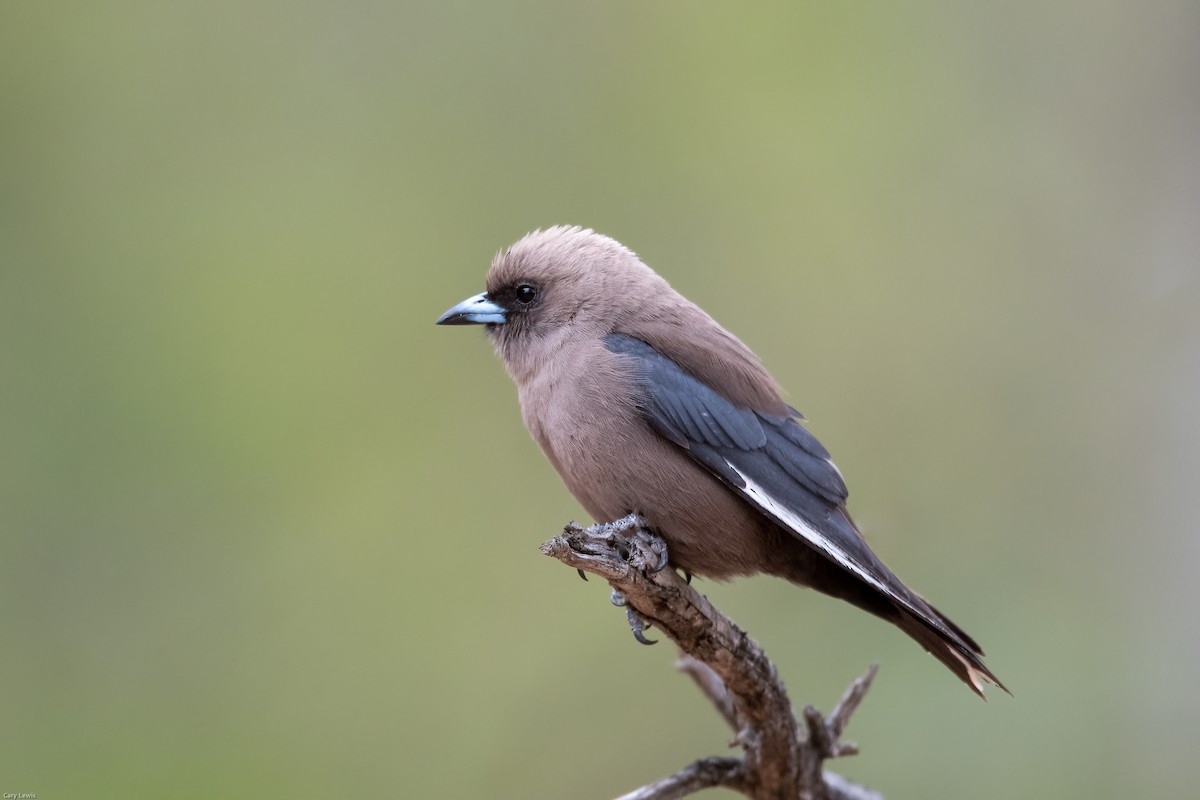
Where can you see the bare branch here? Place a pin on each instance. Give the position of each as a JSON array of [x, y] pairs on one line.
[[711, 685], [841, 789], [706, 773], [849, 703], [729, 667]]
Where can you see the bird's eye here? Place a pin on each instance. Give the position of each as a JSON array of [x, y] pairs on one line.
[[526, 294]]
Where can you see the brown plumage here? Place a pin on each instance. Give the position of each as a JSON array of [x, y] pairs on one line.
[[643, 403]]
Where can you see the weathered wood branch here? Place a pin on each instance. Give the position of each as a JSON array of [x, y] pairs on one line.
[[706, 773], [781, 760]]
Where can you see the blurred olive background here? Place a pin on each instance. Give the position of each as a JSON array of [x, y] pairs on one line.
[[265, 531]]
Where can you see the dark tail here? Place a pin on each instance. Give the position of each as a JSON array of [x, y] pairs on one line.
[[958, 651], [931, 629], [898, 605]]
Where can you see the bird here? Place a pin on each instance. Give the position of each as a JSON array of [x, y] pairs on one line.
[[644, 404]]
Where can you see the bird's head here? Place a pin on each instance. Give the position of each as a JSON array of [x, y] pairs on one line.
[[554, 286]]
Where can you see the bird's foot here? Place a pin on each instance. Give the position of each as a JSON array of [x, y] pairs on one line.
[[637, 623], [636, 544], [631, 537], [645, 551]]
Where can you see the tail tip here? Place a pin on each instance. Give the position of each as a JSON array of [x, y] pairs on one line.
[[978, 678]]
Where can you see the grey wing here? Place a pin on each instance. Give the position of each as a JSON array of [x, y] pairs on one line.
[[782, 470], [773, 462]]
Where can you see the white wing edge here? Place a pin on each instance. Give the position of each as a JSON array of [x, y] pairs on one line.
[[787, 517]]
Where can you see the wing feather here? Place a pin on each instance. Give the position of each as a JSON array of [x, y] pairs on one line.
[[773, 462]]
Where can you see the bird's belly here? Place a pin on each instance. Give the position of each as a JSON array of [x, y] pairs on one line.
[[615, 464]]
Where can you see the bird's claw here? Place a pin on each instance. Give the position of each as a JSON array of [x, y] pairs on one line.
[[637, 623], [660, 550], [642, 550]]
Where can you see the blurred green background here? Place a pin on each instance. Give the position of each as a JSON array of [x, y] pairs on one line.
[[265, 531]]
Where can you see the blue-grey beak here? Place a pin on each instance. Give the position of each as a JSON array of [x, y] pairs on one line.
[[477, 310]]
